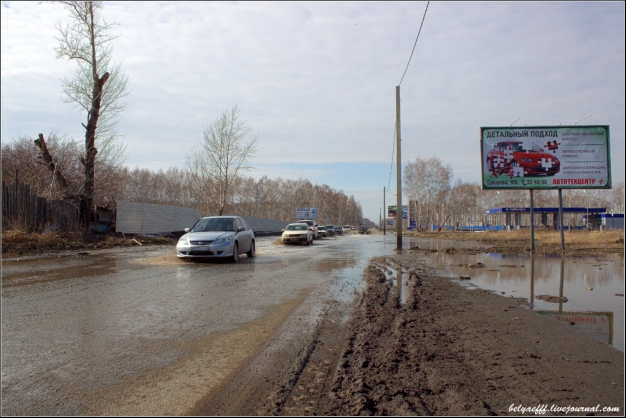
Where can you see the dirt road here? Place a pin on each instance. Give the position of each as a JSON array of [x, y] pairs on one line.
[[136, 331], [284, 334], [427, 346]]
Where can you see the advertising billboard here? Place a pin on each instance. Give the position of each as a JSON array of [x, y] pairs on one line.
[[391, 211], [306, 213], [545, 157]]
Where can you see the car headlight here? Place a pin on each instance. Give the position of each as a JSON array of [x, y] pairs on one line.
[[183, 240], [222, 240]]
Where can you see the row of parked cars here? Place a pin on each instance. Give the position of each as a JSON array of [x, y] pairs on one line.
[[307, 230]]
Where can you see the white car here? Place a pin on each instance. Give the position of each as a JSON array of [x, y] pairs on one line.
[[297, 233], [313, 225], [321, 231], [217, 237]]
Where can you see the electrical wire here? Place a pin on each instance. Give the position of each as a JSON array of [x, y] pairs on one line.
[[418, 35], [395, 132]]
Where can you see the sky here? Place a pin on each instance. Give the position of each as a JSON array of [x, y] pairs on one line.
[[317, 81]]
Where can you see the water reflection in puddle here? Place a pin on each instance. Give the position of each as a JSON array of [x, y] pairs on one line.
[[397, 275], [591, 285]]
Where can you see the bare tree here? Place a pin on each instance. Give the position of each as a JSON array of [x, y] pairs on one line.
[[226, 149], [427, 180], [97, 87]]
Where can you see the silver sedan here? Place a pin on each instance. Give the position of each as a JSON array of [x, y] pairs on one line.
[[217, 237]]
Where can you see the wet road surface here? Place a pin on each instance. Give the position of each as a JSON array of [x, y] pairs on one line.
[[136, 331]]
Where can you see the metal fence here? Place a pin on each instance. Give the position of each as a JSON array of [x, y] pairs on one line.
[[21, 209], [149, 218]]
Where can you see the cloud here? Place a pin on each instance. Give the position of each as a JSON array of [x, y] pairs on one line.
[[320, 78]]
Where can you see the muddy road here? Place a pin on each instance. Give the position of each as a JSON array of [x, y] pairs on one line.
[[343, 327], [135, 331]]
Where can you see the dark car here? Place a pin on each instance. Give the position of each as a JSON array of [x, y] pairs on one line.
[[330, 230], [511, 159]]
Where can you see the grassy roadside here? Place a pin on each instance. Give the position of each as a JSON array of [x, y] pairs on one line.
[[577, 243]]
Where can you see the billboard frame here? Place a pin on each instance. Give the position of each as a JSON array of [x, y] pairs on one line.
[[544, 129]]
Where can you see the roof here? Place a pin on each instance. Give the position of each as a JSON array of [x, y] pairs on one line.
[[545, 210]]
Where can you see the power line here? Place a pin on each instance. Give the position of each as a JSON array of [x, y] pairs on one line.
[[418, 35]]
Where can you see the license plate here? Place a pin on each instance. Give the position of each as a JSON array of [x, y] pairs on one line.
[[201, 248]]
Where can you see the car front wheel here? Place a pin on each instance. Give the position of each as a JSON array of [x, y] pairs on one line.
[[235, 256], [252, 252]]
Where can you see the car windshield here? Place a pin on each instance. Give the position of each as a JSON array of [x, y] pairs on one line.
[[537, 148], [297, 227], [214, 224], [516, 146]]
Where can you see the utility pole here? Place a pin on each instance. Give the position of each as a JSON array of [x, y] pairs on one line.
[[256, 200], [385, 209], [398, 175]]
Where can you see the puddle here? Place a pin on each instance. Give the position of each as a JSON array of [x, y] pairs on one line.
[[51, 270], [349, 271], [590, 285], [397, 275]]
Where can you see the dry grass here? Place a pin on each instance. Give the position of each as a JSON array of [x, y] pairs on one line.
[[542, 235], [546, 241], [19, 243]]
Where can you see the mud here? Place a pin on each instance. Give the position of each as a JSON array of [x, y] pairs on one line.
[[281, 335], [446, 350]]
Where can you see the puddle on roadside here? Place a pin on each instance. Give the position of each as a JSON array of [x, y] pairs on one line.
[[349, 271], [590, 284], [397, 275], [47, 270]]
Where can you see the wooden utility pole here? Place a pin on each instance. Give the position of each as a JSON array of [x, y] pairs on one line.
[[256, 201], [561, 219], [398, 175], [385, 211], [532, 222]]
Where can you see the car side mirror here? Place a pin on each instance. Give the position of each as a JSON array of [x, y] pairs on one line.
[[283, 229], [241, 228], [186, 230]]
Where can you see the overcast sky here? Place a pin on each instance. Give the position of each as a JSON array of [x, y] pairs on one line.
[[317, 80]]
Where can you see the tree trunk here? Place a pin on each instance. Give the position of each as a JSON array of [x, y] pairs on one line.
[[91, 151], [49, 161]]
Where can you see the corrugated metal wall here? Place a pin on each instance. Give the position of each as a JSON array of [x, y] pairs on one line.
[[265, 226], [148, 218]]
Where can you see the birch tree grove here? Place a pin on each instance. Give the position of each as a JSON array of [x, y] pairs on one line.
[[427, 180]]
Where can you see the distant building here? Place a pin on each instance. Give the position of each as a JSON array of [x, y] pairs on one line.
[[606, 221]]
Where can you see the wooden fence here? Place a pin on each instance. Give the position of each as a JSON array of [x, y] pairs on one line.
[[21, 209]]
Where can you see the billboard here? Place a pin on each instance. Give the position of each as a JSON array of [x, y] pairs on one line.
[[545, 157], [391, 211], [306, 213]]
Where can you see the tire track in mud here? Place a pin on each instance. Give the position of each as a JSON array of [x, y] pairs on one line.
[[445, 351]]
